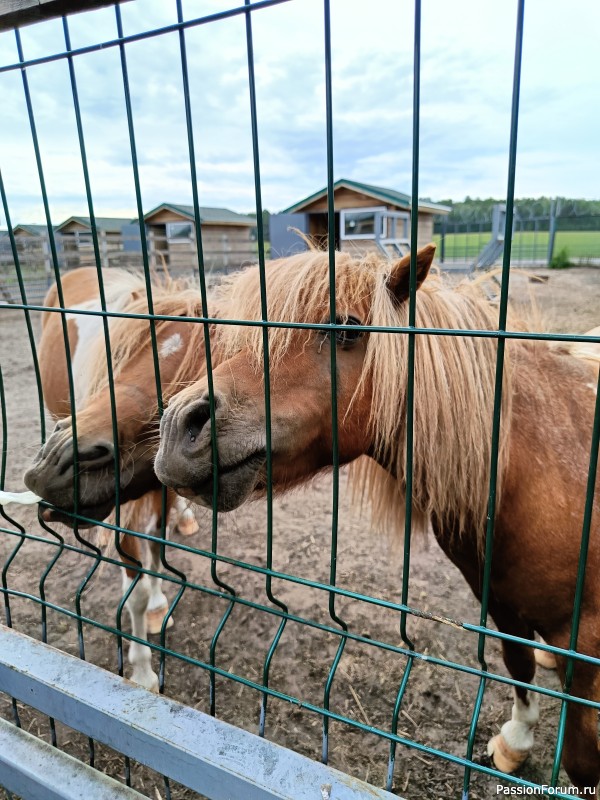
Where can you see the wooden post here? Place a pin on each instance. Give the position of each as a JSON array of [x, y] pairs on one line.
[[103, 249]]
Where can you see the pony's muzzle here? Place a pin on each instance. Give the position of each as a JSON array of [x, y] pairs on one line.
[[51, 476]]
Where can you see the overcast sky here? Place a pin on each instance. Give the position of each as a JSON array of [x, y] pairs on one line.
[[466, 84]]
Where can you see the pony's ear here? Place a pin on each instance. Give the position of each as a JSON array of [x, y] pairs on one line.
[[399, 279]]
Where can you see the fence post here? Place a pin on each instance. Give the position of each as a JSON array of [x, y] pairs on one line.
[[103, 249], [47, 265], [443, 240], [551, 231]]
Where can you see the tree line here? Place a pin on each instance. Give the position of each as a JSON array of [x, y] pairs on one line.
[[475, 210]]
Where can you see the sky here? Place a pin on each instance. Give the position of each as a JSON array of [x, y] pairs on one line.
[[467, 58]]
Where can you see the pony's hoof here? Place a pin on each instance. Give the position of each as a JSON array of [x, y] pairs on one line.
[[187, 525], [155, 618], [147, 680], [504, 757], [545, 659], [153, 687]]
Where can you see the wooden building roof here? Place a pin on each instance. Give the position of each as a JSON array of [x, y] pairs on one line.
[[208, 215], [379, 193], [107, 224]]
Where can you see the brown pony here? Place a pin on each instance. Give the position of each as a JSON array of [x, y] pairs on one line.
[[547, 416], [181, 352]]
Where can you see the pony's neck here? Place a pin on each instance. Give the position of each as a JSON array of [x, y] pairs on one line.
[[454, 386]]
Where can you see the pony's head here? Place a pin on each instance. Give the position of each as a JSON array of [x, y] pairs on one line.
[[453, 392], [181, 356], [368, 291]]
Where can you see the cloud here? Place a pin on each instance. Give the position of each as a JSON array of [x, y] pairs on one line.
[[466, 86]]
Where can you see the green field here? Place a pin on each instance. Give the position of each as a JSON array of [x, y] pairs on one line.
[[527, 245]]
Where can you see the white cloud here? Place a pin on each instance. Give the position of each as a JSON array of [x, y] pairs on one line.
[[466, 84]]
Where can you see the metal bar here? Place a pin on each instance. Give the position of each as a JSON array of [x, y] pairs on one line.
[[66, 342], [335, 460], [155, 361], [108, 352], [324, 326], [200, 752], [20, 529], [497, 410], [35, 770], [551, 231], [34, 355], [581, 576], [410, 402], [207, 353], [266, 365]]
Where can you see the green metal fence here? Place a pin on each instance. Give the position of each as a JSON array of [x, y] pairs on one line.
[[59, 547]]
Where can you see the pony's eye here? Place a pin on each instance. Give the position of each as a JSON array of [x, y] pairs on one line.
[[347, 338]]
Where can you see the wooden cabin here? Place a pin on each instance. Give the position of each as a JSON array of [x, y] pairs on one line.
[[226, 238], [367, 218], [77, 244]]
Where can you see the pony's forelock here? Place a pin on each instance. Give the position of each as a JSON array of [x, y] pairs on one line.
[[297, 291]]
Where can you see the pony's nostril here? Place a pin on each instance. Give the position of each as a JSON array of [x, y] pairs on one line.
[[95, 454], [62, 425], [196, 418]]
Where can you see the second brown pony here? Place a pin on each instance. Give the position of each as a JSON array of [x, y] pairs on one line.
[[181, 355]]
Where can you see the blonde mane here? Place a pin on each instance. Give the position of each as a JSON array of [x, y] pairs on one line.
[[128, 337], [454, 375]]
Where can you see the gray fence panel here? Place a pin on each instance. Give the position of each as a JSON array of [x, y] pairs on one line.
[[201, 752], [35, 770]]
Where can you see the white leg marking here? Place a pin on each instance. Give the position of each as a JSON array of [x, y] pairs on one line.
[[140, 655], [158, 604], [185, 518], [180, 505], [157, 597], [511, 746], [518, 732]]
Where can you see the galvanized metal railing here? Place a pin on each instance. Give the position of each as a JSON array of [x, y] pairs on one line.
[[273, 606]]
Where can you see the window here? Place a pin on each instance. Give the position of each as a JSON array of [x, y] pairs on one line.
[[180, 231], [360, 223]]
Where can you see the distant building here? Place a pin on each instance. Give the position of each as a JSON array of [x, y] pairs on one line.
[[33, 249], [77, 243], [31, 230], [170, 230], [367, 218], [226, 237]]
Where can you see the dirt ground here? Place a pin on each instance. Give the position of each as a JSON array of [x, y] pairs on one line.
[[438, 705]]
